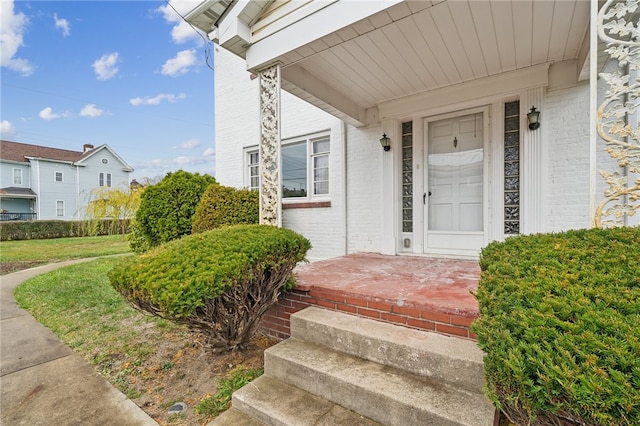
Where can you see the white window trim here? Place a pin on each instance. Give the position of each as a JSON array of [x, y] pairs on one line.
[[63, 213], [20, 177], [55, 176]]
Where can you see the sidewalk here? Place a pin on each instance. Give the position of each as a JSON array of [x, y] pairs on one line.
[[42, 381]]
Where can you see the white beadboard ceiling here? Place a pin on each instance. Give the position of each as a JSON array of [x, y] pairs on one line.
[[407, 48], [418, 46]]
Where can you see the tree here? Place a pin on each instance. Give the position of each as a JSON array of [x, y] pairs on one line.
[[167, 208], [114, 207]]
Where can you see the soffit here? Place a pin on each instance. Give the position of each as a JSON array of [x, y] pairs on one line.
[[420, 46]]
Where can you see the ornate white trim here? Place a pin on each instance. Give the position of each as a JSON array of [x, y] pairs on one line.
[[270, 201], [616, 121]]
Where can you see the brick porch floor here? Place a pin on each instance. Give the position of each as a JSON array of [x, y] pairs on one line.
[[419, 292]]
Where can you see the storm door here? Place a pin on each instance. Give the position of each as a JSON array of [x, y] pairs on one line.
[[454, 200]]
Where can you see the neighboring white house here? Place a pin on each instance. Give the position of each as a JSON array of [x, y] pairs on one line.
[[306, 90], [43, 183]]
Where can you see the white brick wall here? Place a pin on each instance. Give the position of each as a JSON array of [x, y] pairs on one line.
[[566, 124], [364, 189]]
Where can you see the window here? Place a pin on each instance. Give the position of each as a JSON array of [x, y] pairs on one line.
[[17, 176], [320, 159], [101, 179], [254, 170], [58, 177], [59, 208], [305, 168]]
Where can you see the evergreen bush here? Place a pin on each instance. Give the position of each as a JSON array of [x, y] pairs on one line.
[[222, 205], [220, 282], [167, 208], [560, 325]]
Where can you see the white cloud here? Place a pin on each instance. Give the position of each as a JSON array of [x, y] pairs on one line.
[[181, 32], [63, 24], [169, 97], [106, 67], [12, 29], [180, 64], [6, 129], [209, 152], [190, 144], [48, 114], [91, 110]]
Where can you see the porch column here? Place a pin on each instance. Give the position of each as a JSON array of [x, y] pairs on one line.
[[270, 209], [533, 155]]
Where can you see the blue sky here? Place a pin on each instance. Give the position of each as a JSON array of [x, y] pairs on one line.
[[130, 74]]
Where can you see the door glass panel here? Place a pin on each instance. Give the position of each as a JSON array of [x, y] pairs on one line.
[[455, 175]]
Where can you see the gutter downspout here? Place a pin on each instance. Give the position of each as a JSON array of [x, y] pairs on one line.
[[593, 110], [345, 187]]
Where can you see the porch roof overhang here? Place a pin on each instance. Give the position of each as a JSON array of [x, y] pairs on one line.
[[354, 59]]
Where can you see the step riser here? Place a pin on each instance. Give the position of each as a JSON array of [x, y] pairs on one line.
[[455, 361], [391, 399]]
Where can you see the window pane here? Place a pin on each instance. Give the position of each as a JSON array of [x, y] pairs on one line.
[[321, 188], [321, 146], [58, 176], [101, 179], [108, 179], [294, 170], [321, 174], [60, 208]]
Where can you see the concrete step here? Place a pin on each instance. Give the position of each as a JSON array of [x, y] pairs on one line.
[[385, 394], [272, 402], [442, 358], [234, 417]]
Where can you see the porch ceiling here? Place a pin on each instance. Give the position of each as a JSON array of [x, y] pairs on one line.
[[349, 57], [418, 46]]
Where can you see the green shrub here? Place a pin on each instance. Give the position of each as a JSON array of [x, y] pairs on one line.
[[46, 229], [220, 282], [222, 205], [167, 208], [560, 326]]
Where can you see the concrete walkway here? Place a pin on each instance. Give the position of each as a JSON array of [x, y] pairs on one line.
[[42, 381]]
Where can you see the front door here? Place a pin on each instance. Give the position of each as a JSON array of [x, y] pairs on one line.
[[454, 197]]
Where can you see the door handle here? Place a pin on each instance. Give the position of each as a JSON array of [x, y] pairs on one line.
[[424, 197]]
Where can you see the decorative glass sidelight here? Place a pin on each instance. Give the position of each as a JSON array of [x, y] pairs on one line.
[[512, 168], [617, 118], [407, 176], [270, 213]]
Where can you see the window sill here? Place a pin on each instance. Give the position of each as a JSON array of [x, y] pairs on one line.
[[306, 205]]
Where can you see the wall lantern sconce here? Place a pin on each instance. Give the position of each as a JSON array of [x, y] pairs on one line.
[[385, 142], [533, 117]]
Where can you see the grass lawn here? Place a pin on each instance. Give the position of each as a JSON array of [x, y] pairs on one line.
[[16, 255], [153, 361]]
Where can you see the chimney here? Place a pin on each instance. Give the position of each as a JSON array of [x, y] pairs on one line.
[[87, 147]]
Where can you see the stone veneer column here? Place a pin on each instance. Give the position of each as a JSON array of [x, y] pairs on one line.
[[532, 163], [270, 205]]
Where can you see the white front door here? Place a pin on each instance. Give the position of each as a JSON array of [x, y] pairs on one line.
[[454, 198]]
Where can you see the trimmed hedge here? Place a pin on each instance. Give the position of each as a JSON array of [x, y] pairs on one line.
[[46, 229], [223, 205], [167, 208], [560, 325], [220, 282]]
